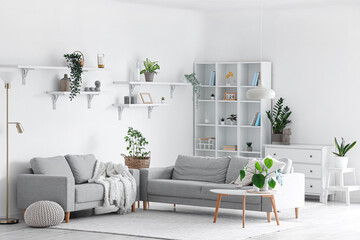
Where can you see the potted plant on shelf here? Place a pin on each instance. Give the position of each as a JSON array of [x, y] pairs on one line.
[[233, 119], [341, 161], [75, 61], [212, 97], [162, 99], [150, 70], [138, 157], [249, 146], [222, 121], [191, 78], [262, 177], [279, 118]]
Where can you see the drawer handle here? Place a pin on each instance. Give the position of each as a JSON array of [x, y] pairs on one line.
[[274, 154], [311, 156], [311, 171], [311, 186]]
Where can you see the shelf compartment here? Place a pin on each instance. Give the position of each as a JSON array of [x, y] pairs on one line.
[[150, 107], [55, 95]]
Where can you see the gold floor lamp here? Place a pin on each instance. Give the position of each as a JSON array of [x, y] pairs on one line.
[[20, 129]]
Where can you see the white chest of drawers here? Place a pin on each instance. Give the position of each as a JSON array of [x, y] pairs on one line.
[[311, 160]]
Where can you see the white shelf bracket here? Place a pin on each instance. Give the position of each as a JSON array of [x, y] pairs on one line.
[[24, 73], [54, 98], [89, 99], [120, 111], [131, 88], [172, 89], [150, 108]]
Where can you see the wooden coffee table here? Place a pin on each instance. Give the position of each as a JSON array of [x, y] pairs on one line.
[[244, 193]]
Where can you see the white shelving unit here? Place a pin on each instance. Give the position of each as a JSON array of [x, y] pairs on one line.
[[214, 110], [150, 107], [133, 84], [55, 95], [24, 69]]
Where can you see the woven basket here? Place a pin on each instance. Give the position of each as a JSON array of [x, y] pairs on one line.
[[137, 163]]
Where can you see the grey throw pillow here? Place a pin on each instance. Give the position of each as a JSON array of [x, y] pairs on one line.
[[207, 169], [55, 166], [82, 166], [236, 164]]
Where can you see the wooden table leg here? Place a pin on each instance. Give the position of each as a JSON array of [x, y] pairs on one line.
[[274, 207], [244, 199], [217, 206], [297, 212], [269, 216]]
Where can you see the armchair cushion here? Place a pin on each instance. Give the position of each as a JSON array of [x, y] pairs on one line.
[[82, 166], [206, 169], [54, 166]]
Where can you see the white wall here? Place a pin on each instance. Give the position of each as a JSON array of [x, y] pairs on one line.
[[40, 32], [315, 52]]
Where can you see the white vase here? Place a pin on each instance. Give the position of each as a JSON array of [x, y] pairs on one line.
[[266, 186], [341, 162], [255, 188], [233, 122], [222, 123]]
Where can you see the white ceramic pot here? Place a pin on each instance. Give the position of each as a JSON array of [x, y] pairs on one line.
[[233, 122], [222, 123], [341, 162], [266, 185]]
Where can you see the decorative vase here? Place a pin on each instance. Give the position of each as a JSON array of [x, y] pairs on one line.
[[266, 185], [222, 123], [341, 162], [249, 149], [101, 60], [276, 138], [162, 101], [65, 84], [212, 98], [149, 77], [233, 122], [137, 71]]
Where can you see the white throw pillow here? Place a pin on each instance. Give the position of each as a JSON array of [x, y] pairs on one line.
[[288, 165], [276, 164]]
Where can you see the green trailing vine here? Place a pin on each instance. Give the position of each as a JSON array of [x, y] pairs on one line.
[[76, 70], [195, 83]]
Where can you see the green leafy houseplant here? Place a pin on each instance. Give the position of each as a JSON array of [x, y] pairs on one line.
[[249, 144], [232, 117], [262, 173], [343, 148], [279, 117], [150, 66], [76, 70], [195, 83], [136, 144]]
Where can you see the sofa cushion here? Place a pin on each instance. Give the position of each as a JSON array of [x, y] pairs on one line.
[[175, 188], [89, 192], [206, 169], [55, 166], [236, 164], [82, 166]]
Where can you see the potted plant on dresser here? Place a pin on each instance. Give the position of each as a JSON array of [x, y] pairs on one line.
[[138, 157], [279, 118], [341, 161], [150, 70]]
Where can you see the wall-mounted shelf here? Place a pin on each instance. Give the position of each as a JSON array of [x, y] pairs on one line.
[[24, 69], [150, 107], [132, 85], [55, 95]]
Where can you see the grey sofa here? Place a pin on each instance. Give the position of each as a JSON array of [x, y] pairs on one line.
[[190, 180], [64, 180]]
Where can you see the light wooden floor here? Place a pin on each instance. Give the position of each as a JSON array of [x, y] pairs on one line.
[[333, 221]]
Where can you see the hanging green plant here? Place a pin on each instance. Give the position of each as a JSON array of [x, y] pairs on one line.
[[195, 83], [75, 63]]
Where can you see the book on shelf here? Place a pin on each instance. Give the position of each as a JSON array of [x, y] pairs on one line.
[[253, 121], [212, 78], [257, 123], [255, 79]]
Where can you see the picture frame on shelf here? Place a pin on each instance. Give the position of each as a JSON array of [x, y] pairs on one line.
[[230, 96], [146, 98]]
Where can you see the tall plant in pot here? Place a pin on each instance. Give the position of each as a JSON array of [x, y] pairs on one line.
[[341, 161], [138, 156], [279, 118], [150, 70]]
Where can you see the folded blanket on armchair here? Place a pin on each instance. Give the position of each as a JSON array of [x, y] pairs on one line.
[[119, 185]]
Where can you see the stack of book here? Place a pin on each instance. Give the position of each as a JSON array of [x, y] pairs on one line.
[[256, 119], [212, 78], [255, 80]]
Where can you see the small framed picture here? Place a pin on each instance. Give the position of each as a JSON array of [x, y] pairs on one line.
[[230, 96], [146, 98]]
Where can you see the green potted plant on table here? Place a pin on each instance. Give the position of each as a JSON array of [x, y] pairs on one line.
[[138, 156], [150, 70], [341, 161], [262, 177], [75, 61], [279, 118]]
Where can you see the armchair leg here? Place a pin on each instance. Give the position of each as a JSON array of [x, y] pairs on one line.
[[133, 207], [297, 212], [93, 211], [67, 217], [138, 204], [24, 210], [145, 205], [269, 216]]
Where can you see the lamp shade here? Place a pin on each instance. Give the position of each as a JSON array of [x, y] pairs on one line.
[[260, 92]]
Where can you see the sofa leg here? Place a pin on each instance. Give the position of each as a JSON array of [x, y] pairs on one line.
[[297, 212], [269, 216], [138, 204], [144, 205], [93, 211], [148, 204], [67, 217], [133, 207]]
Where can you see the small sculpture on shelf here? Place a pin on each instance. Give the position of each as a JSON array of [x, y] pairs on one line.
[[97, 86], [65, 84], [286, 136], [249, 146]]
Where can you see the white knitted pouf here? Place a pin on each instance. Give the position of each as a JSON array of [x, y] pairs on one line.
[[44, 214]]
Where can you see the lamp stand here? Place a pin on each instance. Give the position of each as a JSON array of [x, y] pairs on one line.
[[7, 220]]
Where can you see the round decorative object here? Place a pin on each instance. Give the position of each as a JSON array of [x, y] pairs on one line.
[[44, 214]]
